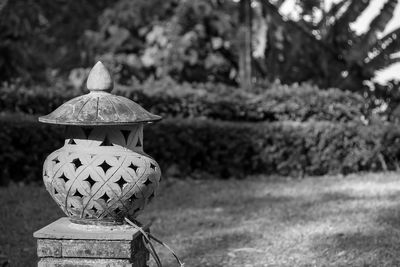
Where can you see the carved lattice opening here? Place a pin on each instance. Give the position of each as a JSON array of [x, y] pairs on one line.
[[64, 178], [71, 142], [105, 166], [130, 137], [90, 181], [105, 197], [126, 134], [117, 210], [133, 167], [139, 143], [87, 132], [77, 163], [101, 185], [133, 198], [77, 194], [152, 166], [121, 182], [106, 142]]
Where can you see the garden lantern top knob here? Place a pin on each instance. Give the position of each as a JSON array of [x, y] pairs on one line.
[[99, 79], [99, 107]]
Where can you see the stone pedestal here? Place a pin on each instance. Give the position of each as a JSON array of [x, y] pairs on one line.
[[63, 243]]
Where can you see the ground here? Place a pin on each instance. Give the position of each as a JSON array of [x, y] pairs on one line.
[[261, 221]]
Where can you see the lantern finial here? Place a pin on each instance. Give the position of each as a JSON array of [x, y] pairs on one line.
[[99, 79]]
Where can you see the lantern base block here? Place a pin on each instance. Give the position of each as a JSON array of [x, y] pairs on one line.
[[63, 243]]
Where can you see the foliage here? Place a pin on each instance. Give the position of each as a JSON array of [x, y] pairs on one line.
[[194, 40], [188, 40], [39, 36], [169, 99], [324, 49], [20, 26], [278, 103], [225, 149], [34, 99], [24, 145]]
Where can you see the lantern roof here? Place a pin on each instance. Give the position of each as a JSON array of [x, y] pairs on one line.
[[99, 106]]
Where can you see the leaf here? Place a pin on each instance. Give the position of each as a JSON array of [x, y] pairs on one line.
[[380, 63], [352, 13], [332, 15], [386, 40], [378, 24]]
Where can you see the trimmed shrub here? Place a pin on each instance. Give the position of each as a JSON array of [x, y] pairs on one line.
[[169, 99], [35, 99], [276, 103], [24, 143], [224, 149]]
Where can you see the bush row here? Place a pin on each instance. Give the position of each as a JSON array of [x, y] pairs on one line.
[[225, 149], [169, 99]]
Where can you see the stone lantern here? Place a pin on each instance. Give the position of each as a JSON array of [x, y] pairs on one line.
[[99, 177]]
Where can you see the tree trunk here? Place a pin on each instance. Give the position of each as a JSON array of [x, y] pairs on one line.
[[244, 42]]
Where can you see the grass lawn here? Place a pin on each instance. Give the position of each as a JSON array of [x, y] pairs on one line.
[[261, 221]]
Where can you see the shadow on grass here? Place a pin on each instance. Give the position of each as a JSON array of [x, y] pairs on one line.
[[288, 224], [214, 227], [336, 196], [375, 243], [390, 217], [377, 248], [212, 250]]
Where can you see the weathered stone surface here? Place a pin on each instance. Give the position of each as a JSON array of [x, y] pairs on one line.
[[97, 249], [99, 107], [63, 244], [64, 229], [99, 79], [49, 248], [112, 249], [79, 262]]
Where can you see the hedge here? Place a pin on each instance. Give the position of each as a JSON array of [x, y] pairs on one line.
[[166, 98], [224, 149]]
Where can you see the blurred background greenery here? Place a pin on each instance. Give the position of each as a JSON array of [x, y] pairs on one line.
[[196, 41], [245, 87]]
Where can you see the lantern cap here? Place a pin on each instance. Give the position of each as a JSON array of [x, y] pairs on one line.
[[99, 106], [99, 79]]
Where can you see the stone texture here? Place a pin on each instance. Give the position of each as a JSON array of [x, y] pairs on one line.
[[63, 243], [99, 107], [99, 79], [49, 248], [101, 174], [114, 249], [71, 262], [64, 229]]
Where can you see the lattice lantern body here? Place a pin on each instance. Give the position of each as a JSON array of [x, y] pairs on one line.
[[101, 174]]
